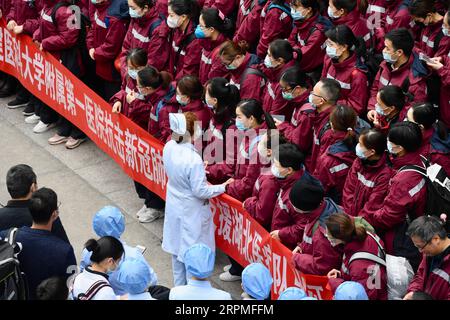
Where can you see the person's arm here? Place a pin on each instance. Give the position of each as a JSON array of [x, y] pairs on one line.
[[112, 44], [199, 185], [242, 188], [126, 46], [357, 99], [348, 193], [261, 207], [159, 48], [418, 281], [274, 27], [362, 271], [374, 90], [377, 195], [191, 61], [293, 234], [312, 48]]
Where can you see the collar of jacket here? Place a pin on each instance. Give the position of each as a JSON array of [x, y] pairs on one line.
[[347, 64], [195, 105], [306, 24], [209, 44], [88, 269], [148, 18], [412, 158], [373, 165], [337, 144], [301, 99], [18, 203], [350, 19], [287, 182]]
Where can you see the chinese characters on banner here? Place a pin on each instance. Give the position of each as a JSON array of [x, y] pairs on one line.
[[140, 156]]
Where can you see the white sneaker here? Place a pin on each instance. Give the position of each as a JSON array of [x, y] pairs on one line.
[[150, 215], [32, 119], [228, 277], [42, 127], [227, 267], [141, 210]]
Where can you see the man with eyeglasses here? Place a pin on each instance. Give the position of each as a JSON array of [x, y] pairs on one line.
[[43, 255], [433, 276], [21, 182]]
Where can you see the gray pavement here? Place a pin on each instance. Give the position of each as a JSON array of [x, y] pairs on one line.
[[86, 179]]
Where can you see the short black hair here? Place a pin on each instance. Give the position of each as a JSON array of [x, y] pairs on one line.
[[19, 180], [401, 39], [290, 156], [54, 288], [406, 134], [393, 96], [43, 203], [426, 227], [332, 89]]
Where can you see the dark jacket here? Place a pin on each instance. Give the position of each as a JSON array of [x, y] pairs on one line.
[[16, 214]]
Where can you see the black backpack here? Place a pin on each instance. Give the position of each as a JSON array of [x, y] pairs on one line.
[[438, 189], [13, 284]]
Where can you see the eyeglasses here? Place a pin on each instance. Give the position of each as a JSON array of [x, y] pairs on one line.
[[287, 89], [316, 95], [423, 247]]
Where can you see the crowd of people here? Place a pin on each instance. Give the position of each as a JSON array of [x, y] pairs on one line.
[[318, 115]]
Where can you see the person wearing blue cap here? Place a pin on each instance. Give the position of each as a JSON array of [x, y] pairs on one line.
[[308, 298], [109, 221], [199, 262], [350, 290], [292, 293], [256, 282], [135, 277]]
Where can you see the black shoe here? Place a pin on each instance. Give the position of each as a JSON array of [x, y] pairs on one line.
[[17, 103], [29, 109]]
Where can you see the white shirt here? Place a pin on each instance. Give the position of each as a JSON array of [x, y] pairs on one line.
[[198, 290], [86, 279]]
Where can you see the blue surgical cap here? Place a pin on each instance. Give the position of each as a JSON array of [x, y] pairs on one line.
[[257, 281], [199, 261], [109, 221], [292, 293], [308, 298], [350, 290], [134, 276]]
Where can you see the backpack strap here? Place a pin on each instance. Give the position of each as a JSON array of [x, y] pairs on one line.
[[324, 129], [370, 256], [405, 88], [156, 24], [437, 40], [93, 290], [420, 170]]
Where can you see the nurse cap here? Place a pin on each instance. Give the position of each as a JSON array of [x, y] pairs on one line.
[[177, 123]]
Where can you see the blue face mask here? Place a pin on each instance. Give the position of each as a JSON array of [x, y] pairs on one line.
[[359, 152], [199, 33], [297, 15], [388, 58], [445, 31], [134, 14], [379, 110], [311, 101], [132, 73], [240, 125], [332, 52]]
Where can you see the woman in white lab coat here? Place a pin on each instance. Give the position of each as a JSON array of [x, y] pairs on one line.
[[188, 217]]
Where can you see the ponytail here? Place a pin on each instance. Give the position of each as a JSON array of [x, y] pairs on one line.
[[214, 18], [227, 96], [344, 118], [103, 248], [426, 115], [360, 233], [341, 226], [150, 77], [229, 50]]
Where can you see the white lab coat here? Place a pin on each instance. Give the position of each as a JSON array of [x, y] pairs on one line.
[[188, 218], [198, 290]]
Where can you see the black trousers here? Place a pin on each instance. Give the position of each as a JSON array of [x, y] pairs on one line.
[[236, 269], [152, 200], [22, 93], [67, 129]]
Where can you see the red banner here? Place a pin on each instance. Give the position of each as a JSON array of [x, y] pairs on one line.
[[140, 156]]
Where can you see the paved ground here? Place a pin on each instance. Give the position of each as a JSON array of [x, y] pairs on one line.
[[86, 179]]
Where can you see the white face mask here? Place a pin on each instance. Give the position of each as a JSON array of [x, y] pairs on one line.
[[331, 14], [268, 63], [276, 172], [172, 22]]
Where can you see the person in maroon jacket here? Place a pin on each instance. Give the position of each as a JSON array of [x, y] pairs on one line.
[[287, 225], [423, 12], [406, 198], [309, 35], [23, 18], [136, 61], [333, 166], [185, 53], [401, 67], [364, 258], [228, 7], [436, 137], [213, 29], [346, 12], [56, 36], [275, 23], [430, 237], [323, 99], [344, 62], [248, 29], [187, 97], [147, 30], [441, 66], [8, 84], [245, 7], [367, 183], [314, 254], [219, 154], [391, 101], [280, 57], [262, 203], [104, 42], [239, 66], [298, 130]]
